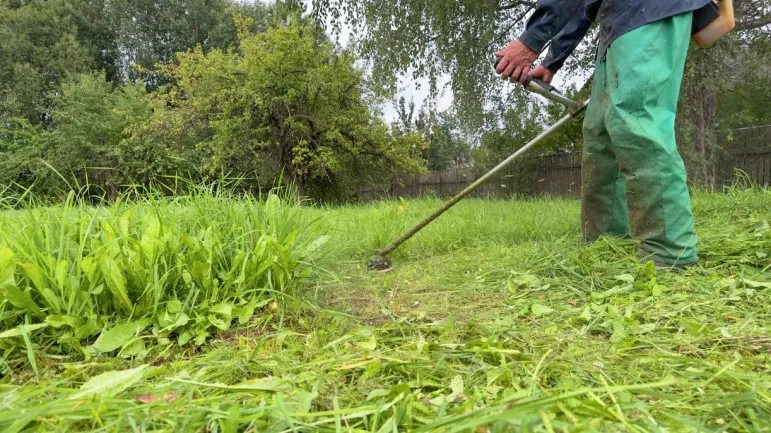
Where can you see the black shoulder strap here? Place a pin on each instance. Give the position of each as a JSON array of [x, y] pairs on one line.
[[704, 17]]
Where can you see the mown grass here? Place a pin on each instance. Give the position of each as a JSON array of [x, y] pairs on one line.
[[495, 318]]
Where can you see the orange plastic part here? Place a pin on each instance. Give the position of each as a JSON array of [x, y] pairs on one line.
[[718, 28]]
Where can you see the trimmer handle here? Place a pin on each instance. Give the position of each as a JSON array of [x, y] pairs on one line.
[[543, 88], [548, 87]]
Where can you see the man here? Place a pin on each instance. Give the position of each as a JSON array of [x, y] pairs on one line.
[[633, 178]]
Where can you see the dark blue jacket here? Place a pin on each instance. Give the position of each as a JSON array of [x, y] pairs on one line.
[[566, 22]]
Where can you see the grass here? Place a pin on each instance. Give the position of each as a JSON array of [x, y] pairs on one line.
[[495, 319], [134, 275]]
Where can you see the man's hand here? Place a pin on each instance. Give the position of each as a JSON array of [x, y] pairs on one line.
[[542, 73], [517, 60]]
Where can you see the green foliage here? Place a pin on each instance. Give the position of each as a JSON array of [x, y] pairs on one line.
[[518, 126], [327, 143], [22, 144], [43, 42], [452, 38], [315, 125], [429, 39], [284, 102], [747, 104], [447, 147], [91, 139], [152, 32], [158, 272], [724, 87], [745, 100], [39, 47], [456, 38]]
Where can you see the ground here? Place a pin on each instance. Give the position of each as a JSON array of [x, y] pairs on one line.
[[496, 318]]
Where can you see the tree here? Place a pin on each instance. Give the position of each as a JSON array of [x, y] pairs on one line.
[[39, 47], [746, 102], [735, 62], [405, 117], [91, 141], [428, 39], [152, 32], [284, 102], [43, 42], [97, 32], [448, 147], [517, 128], [50, 111]]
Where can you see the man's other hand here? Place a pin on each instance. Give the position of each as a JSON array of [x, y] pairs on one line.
[[542, 73], [516, 62]]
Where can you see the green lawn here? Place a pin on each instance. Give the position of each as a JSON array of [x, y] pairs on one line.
[[494, 319]]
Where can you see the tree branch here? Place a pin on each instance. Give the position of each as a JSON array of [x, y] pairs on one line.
[[755, 23]]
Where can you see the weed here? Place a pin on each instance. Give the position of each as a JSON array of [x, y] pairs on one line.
[[160, 272]]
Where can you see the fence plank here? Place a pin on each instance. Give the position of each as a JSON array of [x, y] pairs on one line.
[[559, 175]]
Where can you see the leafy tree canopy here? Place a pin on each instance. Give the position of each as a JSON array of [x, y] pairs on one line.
[[284, 102], [39, 47], [428, 39], [42, 43], [458, 37]]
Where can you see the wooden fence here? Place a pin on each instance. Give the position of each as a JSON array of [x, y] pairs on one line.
[[747, 150], [559, 175]]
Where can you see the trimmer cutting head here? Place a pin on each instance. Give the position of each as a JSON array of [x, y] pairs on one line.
[[380, 264]]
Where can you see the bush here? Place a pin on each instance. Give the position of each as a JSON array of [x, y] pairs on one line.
[[283, 104]]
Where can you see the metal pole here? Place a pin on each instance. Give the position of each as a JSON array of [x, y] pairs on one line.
[[572, 115]]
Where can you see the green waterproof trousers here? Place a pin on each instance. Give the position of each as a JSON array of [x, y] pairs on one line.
[[633, 178]]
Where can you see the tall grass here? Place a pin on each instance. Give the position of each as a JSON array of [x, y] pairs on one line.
[[145, 272], [359, 230]]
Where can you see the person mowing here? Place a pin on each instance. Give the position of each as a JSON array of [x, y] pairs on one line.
[[633, 178]]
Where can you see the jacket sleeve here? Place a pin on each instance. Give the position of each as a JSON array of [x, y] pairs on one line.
[[548, 19], [567, 40]]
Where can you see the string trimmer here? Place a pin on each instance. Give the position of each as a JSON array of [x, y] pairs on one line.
[[381, 262]]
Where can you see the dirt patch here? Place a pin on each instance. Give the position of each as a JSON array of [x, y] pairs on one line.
[[356, 301]]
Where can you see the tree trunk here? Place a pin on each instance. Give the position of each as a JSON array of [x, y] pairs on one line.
[[697, 120], [291, 177], [113, 192]]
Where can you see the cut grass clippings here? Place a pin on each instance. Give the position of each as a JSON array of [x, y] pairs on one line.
[[495, 319]]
